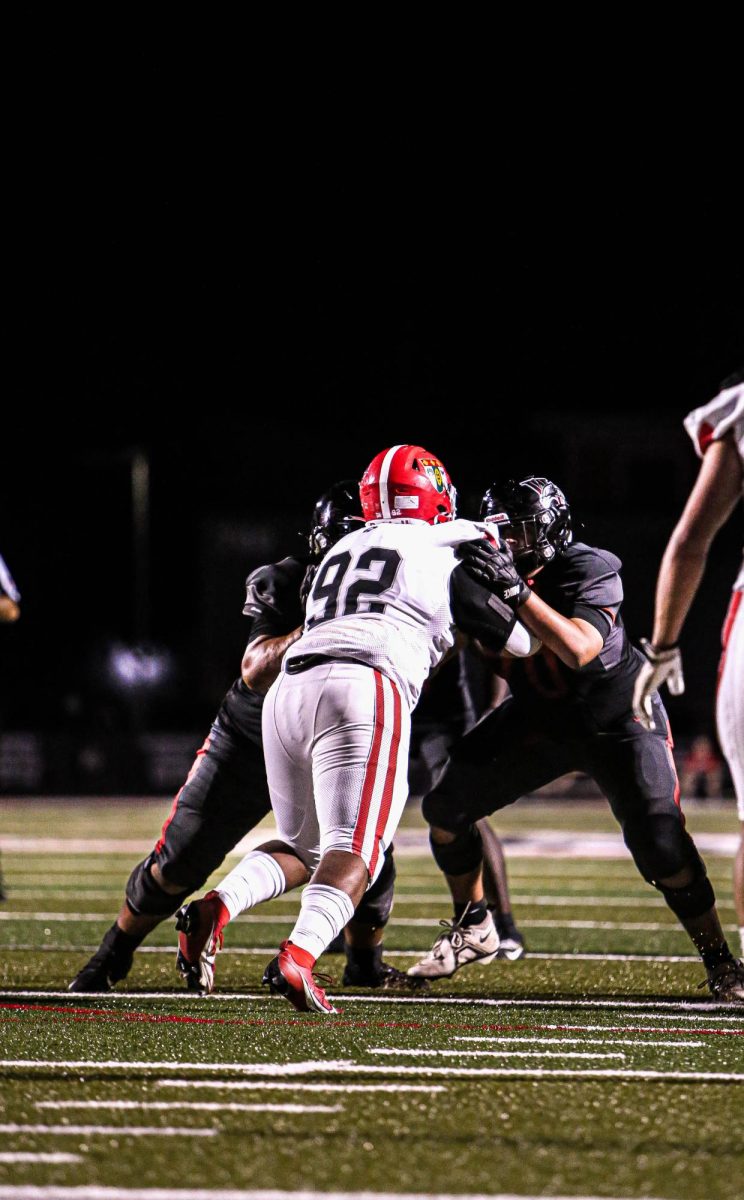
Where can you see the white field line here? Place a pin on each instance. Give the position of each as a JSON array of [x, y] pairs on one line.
[[241, 1085], [27, 1156], [94, 1192], [412, 922], [550, 1041], [394, 1052], [267, 1069], [196, 1105], [269, 950], [109, 1130], [676, 1006]]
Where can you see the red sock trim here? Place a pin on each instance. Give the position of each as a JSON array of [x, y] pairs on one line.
[[223, 916]]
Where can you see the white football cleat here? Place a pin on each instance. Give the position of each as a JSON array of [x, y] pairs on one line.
[[458, 946]]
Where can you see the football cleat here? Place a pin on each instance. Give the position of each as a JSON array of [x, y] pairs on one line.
[[458, 946], [726, 982], [390, 979], [286, 977], [510, 948], [199, 926], [101, 972]]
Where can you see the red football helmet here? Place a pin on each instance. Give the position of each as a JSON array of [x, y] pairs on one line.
[[407, 481]]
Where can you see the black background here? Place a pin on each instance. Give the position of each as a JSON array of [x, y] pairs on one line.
[[261, 282]]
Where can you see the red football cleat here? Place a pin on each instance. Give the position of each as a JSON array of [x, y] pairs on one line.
[[200, 926], [288, 977]]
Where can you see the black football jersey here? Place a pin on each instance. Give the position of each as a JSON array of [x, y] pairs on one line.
[[582, 582], [273, 606]]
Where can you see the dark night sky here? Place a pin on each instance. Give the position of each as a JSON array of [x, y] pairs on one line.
[[262, 300]]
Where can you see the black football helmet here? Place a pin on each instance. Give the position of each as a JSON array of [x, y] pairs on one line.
[[336, 513], [533, 517]]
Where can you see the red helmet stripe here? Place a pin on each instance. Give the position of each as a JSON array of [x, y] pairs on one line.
[[384, 475]]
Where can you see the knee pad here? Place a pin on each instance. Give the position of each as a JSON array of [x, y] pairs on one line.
[[693, 900], [146, 898], [441, 812], [461, 856], [661, 846], [375, 906]]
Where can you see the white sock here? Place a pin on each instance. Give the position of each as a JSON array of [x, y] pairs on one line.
[[324, 912], [257, 877]]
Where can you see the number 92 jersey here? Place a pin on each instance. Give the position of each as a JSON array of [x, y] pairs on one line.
[[383, 597]]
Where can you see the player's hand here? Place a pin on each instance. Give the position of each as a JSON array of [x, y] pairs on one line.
[[493, 567], [307, 582], [661, 666]]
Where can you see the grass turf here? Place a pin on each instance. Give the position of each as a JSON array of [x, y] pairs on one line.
[[496, 1117]]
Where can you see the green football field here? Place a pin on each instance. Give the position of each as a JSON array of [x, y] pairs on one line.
[[593, 1067]]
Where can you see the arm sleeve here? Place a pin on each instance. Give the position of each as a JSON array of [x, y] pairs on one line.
[[477, 612]]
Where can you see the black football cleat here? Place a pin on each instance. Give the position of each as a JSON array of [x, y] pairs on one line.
[[384, 976], [101, 972]]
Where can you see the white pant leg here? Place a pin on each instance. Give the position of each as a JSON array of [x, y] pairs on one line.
[[287, 743], [730, 699], [336, 741]]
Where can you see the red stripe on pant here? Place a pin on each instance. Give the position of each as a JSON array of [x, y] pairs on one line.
[[370, 774], [728, 625], [387, 793], [192, 771], [670, 747]]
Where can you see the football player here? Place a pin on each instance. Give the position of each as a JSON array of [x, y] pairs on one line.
[[226, 795], [717, 432], [336, 723], [10, 610], [571, 709]]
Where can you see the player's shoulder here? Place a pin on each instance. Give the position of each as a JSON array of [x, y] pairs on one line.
[[267, 584], [581, 561], [713, 420]]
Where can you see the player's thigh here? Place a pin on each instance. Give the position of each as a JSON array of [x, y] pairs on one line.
[[288, 739], [223, 798], [730, 697], [360, 762], [512, 751]]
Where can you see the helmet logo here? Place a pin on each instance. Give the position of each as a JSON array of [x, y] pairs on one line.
[[433, 470]]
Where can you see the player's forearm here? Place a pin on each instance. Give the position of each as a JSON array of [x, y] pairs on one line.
[[575, 644], [682, 569], [262, 660]]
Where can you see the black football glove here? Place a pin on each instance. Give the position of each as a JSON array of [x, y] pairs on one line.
[[307, 582], [493, 567]]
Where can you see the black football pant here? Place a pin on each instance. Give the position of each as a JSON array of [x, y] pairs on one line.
[[518, 748]]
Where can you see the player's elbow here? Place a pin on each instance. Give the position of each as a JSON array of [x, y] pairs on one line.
[[691, 540], [253, 671]]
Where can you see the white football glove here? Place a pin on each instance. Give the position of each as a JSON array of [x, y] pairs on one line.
[[663, 666]]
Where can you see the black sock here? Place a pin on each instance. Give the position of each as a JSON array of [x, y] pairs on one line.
[[367, 960], [505, 926], [470, 913], [714, 958], [120, 944]]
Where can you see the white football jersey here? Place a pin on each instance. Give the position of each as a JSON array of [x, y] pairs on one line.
[[381, 597], [709, 424]]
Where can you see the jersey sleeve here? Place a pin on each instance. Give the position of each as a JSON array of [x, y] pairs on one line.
[[478, 612], [272, 599], [592, 588], [715, 419]]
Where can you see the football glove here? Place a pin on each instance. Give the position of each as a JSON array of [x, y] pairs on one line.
[[493, 567], [662, 666]]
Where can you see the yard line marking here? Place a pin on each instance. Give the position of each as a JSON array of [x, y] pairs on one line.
[[295, 1068], [677, 1006], [197, 1105], [491, 1053], [578, 1041], [93, 1192], [242, 1085], [26, 1156], [410, 922], [110, 1130]]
